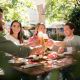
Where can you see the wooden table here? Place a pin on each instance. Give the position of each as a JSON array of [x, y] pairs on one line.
[[34, 71], [39, 70]]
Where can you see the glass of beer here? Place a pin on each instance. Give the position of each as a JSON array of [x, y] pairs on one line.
[[45, 37]]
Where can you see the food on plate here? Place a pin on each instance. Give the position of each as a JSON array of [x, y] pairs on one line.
[[52, 55]]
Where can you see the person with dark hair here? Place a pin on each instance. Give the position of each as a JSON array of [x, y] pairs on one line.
[[7, 46], [72, 42], [1, 19], [71, 25], [1, 11], [71, 39], [15, 34]]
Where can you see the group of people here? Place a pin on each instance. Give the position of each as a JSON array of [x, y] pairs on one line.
[[70, 41], [11, 43]]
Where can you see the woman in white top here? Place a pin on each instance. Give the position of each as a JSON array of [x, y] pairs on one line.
[[15, 33]]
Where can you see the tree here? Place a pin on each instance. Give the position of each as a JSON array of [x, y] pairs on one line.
[[13, 9], [59, 9], [74, 17]]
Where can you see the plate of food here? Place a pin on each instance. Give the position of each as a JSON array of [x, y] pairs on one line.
[[17, 62], [31, 65], [52, 55], [37, 58]]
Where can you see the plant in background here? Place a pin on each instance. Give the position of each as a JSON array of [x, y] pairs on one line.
[[14, 9], [57, 10], [57, 37], [74, 17]]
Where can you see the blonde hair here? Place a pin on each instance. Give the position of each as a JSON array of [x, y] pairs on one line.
[[37, 27]]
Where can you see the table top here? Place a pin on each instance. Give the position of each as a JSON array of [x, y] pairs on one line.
[[47, 67]]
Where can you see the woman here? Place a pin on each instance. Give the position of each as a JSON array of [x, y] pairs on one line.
[[40, 38], [15, 33], [40, 35], [9, 47], [36, 39]]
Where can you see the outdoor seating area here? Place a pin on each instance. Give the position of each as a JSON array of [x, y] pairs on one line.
[[39, 40]]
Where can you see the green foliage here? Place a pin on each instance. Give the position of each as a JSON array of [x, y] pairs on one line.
[[13, 9], [74, 17], [59, 9], [57, 37]]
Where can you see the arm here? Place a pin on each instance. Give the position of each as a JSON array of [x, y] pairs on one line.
[[9, 47]]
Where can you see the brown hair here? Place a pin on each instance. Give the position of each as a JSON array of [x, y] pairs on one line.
[[1, 26], [1, 11], [20, 38], [37, 26], [71, 25], [1, 23]]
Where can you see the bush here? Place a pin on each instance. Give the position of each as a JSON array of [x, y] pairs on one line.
[[74, 17], [57, 37]]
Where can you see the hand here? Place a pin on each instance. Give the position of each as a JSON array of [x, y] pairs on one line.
[[60, 43], [49, 43], [38, 51], [52, 55], [60, 50]]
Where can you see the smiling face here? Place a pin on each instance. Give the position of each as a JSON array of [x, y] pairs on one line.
[[16, 28], [41, 28], [67, 31]]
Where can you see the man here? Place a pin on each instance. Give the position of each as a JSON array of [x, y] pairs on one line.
[[72, 72], [71, 40], [9, 47]]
